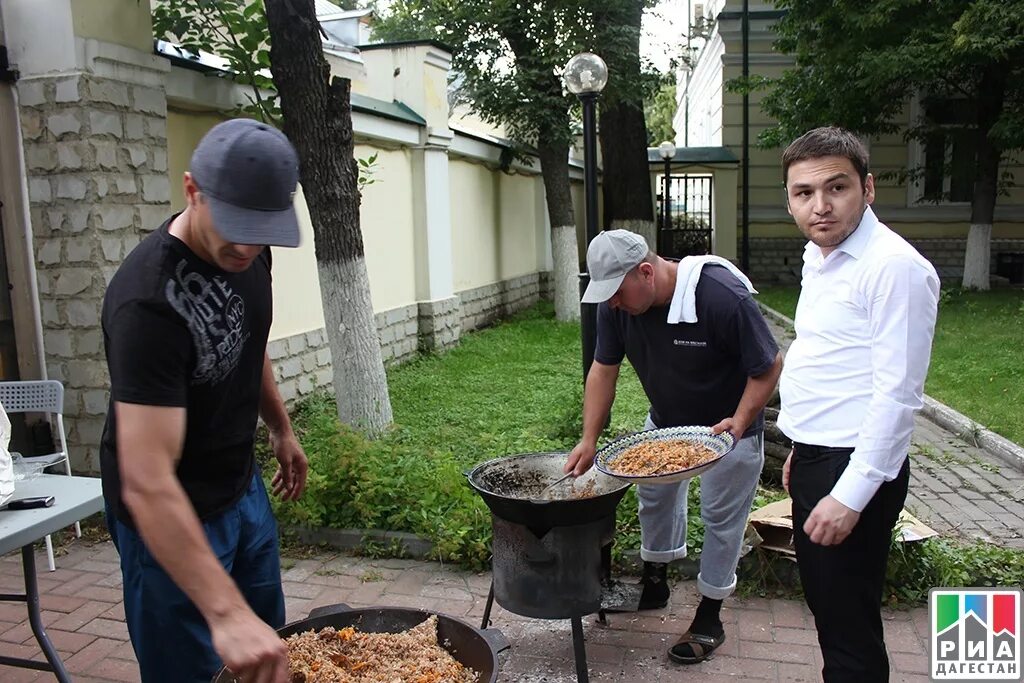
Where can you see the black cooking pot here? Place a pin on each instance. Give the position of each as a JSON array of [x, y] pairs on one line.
[[511, 488], [474, 648]]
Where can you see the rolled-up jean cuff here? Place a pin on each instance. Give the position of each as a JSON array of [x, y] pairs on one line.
[[662, 555], [714, 592]]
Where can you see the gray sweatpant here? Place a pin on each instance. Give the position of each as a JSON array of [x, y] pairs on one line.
[[726, 494]]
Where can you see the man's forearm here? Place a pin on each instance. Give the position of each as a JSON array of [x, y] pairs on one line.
[[598, 395], [879, 452], [174, 536], [756, 394], [272, 408]]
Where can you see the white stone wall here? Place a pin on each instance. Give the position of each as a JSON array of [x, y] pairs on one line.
[[302, 364], [440, 323], [399, 333], [95, 136], [546, 288], [947, 255], [96, 162]]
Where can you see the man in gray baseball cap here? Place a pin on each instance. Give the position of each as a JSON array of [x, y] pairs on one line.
[[705, 357], [612, 254], [185, 322]]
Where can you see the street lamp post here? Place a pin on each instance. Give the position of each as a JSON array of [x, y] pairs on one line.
[[585, 76], [668, 152]]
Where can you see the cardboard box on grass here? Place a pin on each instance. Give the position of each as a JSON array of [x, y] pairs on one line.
[[771, 528]]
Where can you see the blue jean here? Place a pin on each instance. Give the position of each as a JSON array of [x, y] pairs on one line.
[[171, 639]]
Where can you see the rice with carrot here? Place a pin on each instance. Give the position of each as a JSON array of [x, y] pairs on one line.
[[349, 656], [653, 458]]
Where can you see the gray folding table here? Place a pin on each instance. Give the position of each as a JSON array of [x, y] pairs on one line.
[[75, 498]]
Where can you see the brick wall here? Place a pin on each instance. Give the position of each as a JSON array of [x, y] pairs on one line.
[[96, 165], [398, 331], [96, 159], [484, 305], [302, 363]]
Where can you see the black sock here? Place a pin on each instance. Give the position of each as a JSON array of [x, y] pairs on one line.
[[707, 621]]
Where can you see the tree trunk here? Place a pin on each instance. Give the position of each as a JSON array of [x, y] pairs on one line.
[[554, 167], [977, 257], [553, 149], [318, 121], [991, 93], [626, 173]]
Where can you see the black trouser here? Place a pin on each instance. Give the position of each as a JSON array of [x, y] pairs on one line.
[[843, 583]]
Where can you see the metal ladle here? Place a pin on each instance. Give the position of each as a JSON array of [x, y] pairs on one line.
[[553, 484]]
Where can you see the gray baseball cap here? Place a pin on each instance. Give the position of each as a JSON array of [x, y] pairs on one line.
[[611, 255], [248, 171]]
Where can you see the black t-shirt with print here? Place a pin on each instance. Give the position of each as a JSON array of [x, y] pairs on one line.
[[693, 373], [180, 332]]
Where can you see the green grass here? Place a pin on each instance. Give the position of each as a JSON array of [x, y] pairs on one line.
[[514, 388], [977, 358], [781, 299], [976, 363]]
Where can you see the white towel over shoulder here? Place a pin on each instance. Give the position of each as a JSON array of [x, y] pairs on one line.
[[684, 300]]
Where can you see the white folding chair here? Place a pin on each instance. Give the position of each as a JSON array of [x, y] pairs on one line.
[[41, 396]]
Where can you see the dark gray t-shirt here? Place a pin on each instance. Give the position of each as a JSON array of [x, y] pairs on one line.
[[693, 373]]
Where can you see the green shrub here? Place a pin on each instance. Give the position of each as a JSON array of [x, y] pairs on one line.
[[386, 484], [914, 568]]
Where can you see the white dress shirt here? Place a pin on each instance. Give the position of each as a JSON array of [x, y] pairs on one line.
[[855, 373]]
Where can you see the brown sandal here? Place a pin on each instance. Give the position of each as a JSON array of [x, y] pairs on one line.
[[703, 646]]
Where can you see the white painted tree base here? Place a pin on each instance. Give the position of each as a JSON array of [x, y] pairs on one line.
[[978, 256], [360, 385], [566, 272]]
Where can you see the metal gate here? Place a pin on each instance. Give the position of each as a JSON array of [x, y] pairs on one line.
[[685, 219]]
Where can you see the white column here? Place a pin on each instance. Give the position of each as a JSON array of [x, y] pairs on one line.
[[436, 227]]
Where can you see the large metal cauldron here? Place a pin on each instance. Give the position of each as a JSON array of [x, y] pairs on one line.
[[547, 554], [511, 488], [550, 555], [474, 648]]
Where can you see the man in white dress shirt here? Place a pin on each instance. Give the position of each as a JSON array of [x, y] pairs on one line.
[[852, 380]]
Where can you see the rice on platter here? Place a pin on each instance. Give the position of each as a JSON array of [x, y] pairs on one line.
[[652, 458]]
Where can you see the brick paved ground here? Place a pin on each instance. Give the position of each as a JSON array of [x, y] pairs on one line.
[[767, 640], [956, 489], [962, 490]]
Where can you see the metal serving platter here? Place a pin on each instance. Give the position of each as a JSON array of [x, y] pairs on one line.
[[721, 444]]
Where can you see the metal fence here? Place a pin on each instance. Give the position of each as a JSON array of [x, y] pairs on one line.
[[685, 217]]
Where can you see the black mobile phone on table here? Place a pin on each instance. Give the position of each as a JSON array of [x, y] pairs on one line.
[[30, 503]]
